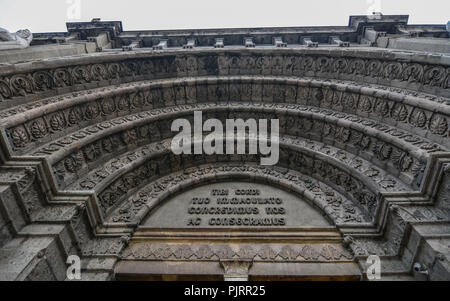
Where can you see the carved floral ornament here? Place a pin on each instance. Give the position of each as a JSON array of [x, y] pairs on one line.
[[152, 169], [295, 253], [150, 132], [19, 134], [134, 208], [58, 122], [212, 64]]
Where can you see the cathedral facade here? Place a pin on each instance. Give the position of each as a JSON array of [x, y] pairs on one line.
[[360, 191]]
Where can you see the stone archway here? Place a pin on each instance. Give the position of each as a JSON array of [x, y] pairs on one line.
[[183, 239], [364, 139]]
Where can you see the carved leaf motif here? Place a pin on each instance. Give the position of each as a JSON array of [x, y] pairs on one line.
[[438, 125], [57, 122], [323, 64], [413, 73], [183, 252], [329, 252], [19, 137], [43, 80], [267, 252], [123, 102], [75, 115], [399, 112], [385, 151], [306, 63], [115, 70], [435, 76], [318, 94], [38, 129], [337, 97], [382, 107], [387, 183], [5, 90], [340, 65], [349, 101], [392, 70], [365, 103], [129, 137], [62, 78], [397, 156], [288, 253], [92, 111], [141, 251], [72, 164], [92, 151], [99, 72], [162, 252], [108, 106], [246, 252], [372, 172], [373, 68], [225, 252], [309, 253], [81, 75], [405, 163], [357, 67], [343, 134], [21, 84], [278, 93], [87, 184], [418, 118], [365, 142]]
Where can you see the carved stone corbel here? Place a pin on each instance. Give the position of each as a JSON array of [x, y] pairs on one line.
[[236, 270], [248, 42], [309, 43], [278, 42], [219, 43], [337, 41], [190, 44], [161, 45]]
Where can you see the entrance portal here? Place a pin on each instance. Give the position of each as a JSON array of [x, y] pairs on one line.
[[236, 231]]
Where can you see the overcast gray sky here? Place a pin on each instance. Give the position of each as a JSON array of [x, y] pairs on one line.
[[51, 15]]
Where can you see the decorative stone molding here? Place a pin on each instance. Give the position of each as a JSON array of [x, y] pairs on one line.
[[415, 75], [85, 145], [238, 259]]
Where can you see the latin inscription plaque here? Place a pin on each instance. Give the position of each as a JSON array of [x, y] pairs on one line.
[[235, 204]]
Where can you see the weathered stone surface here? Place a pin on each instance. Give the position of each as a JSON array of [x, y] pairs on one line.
[[86, 166]]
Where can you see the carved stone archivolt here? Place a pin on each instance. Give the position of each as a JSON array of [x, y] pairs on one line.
[[140, 128], [364, 140], [143, 164], [86, 110], [333, 64], [337, 207]]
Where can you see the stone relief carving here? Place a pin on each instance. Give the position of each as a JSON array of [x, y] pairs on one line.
[[383, 151], [35, 130], [425, 130], [213, 252], [289, 158], [19, 40], [213, 64], [333, 203]]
